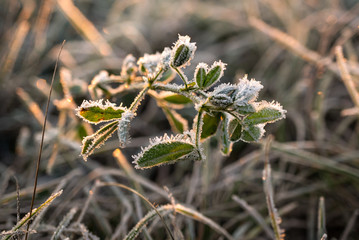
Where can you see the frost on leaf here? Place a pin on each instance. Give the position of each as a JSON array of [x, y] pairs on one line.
[[252, 133], [266, 113], [205, 77], [247, 90], [226, 144], [129, 65], [210, 124], [90, 143], [96, 111], [167, 150], [182, 52], [150, 64], [234, 130], [166, 58], [223, 96], [124, 128], [174, 98]]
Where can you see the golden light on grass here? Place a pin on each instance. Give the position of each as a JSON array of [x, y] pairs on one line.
[[85, 27], [346, 77]]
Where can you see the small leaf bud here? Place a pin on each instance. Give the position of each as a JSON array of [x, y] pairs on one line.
[[182, 52]]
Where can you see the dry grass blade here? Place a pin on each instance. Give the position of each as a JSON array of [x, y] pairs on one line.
[[84, 26], [42, 138], [91, 193], [321, 219], [14, 49], [253, 212], [296, 47], [347, 79], [17, 200], [143, 197], [314, 160], [268, 190], [32, 106], [29, 215], [200, 217], [63, 224], [350, 225]]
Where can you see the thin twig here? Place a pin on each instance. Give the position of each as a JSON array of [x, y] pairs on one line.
[[42, 139], [268, 190], [347, 79], [296, 47]]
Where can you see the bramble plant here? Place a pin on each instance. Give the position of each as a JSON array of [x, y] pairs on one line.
[[229, 109]]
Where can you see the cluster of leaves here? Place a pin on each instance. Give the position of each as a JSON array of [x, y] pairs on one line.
[[229, 109]]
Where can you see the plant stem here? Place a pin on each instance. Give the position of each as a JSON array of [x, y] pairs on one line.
[[182, 76], [136, 102], [198, 130], [202, 93], [175, 89], [157, 75]]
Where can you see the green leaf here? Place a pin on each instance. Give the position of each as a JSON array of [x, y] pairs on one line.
[[234, 130], [90, 143], [82, 131], [167, 75], [164, 152], [206, 78], [266, 114], [252, 133], [210, 124], [245, 109], [201, 75], [177, 122], [213, 75], [226, 144], [97, 112], [176, 98], [181, 56]]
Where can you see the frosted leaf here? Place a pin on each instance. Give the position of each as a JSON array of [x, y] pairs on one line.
[[226, 144], [99, 111], [124, 128], [166, 58], [166, 150], [96, 140], [266, 113], [210, 124], [129, 65], [247, 90], [182, 52], [100, 77], [205, 77], [150, 64], [223, 96], [252, 133], [174, 98], [234, 130]]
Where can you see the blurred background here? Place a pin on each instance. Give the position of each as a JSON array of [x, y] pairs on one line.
[[288, 45]]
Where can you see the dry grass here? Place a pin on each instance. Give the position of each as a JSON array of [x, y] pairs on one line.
[[291, 46]]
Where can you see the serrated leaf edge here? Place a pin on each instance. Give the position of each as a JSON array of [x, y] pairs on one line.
[[187, 137], [97, 103], [95, 136]]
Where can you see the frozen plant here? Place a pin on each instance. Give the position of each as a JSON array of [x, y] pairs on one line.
[[232, 110]]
